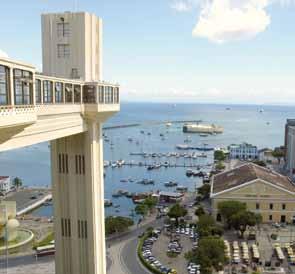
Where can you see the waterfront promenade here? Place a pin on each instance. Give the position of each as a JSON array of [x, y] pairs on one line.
[[28, 199]]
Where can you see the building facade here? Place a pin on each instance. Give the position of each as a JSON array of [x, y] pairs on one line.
[[72, 45], [290, 147], [5, 184], [243, 151], [263, 191]]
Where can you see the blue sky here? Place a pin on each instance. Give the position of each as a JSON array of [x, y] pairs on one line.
[[232, 51]]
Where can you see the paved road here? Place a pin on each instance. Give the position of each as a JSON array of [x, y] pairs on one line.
[[126, 257], [124, 252]]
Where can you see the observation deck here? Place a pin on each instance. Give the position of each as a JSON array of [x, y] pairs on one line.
[[35, 108]]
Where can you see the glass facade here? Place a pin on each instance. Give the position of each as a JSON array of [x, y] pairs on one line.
[[108, 95], [4, 85], [38, 93], [23, 87], [47, 92], [89, 94], [101, 94], [77, 94], [69, 93], [58, 92]]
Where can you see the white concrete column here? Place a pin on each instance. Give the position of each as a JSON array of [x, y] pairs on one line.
[[78, 195], [11, 87]]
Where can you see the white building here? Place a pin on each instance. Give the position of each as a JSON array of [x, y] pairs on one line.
[[5, 184], [243, 151]]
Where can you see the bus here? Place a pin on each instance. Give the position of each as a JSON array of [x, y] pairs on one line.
[[45, 250]]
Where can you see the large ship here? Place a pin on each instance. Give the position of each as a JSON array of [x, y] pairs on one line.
[[202, 128]]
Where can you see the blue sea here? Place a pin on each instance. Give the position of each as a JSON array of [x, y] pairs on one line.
[[241, 123]]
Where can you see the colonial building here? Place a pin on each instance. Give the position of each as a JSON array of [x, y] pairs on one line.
[[262, 190], [243, 151]]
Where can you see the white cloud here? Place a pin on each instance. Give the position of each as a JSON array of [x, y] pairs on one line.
[[227, 20], [185, 5], [3, 54], [181, 6]]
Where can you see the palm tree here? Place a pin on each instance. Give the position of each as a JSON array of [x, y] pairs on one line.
[[17, 182]]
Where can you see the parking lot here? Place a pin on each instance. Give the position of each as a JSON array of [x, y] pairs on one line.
[[166, 251]]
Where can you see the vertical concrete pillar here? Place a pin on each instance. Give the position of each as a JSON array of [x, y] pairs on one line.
[[78, 196]]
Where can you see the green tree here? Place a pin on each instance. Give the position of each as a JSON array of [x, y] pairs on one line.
[[199, 211], [150, 202], [219, 155], [117, 224], [141, 209], [278, 154], [242, 219], [17, 182], [177, 211], [229, 208], [207, 226], [204, 190], [209, 254], [220, 166]]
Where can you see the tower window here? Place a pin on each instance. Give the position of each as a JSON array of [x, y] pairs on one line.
[[63, 50], [63, 29]]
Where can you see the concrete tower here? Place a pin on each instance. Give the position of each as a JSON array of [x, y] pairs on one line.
[[72, 45]]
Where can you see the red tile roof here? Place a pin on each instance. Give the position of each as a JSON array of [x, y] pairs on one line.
[[246, 173]]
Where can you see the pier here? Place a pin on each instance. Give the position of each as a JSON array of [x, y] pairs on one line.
[[151, 124], [28, 199]]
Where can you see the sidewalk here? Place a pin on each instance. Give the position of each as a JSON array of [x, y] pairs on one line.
[[114, 257]]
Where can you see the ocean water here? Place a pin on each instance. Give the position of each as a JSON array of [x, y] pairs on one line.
[[241, 123]]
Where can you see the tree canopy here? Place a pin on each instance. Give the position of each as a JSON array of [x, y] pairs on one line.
[[207, 226], [229, 208], [117, 224], [177, 211], [236, 215], [204, 190], [209, 254], [141, 209], [219, 155], [148, 204], [243, 219], [17, 182]]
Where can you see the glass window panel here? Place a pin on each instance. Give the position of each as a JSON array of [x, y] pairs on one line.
[[47, 92], [89, 94], [4, 85], [38, 91], [58, 92], [69, 93], [77, 94], [23, 87]]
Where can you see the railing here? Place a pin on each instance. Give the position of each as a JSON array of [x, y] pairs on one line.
[[16, 110]]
